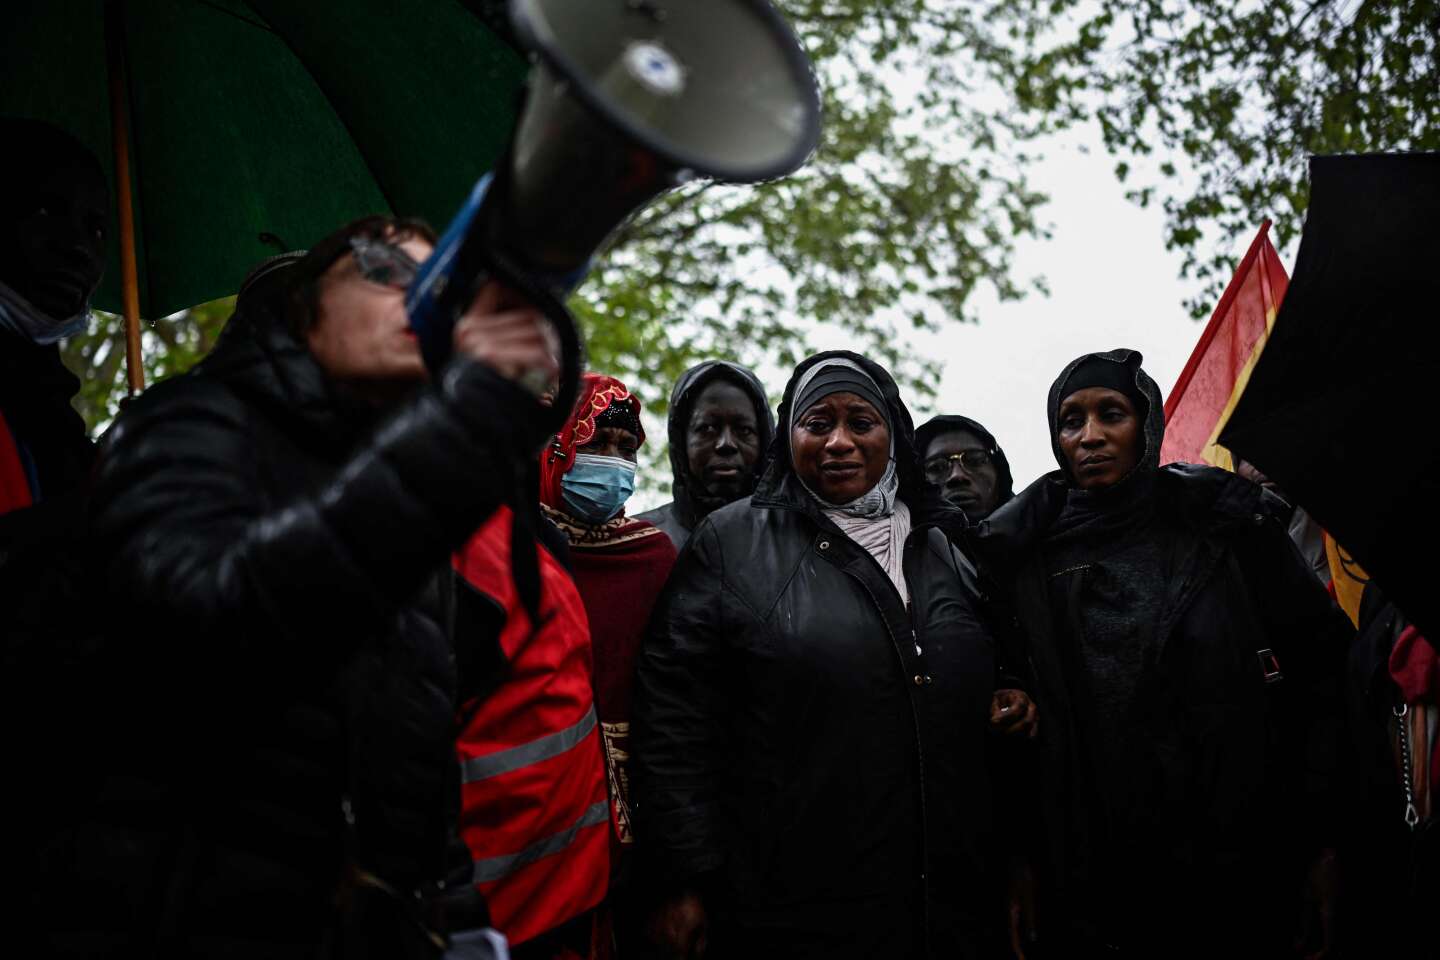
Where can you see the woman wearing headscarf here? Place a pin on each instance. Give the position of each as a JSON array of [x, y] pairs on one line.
[[812, 702], [619, 564], [720, 426], [1186, 662]]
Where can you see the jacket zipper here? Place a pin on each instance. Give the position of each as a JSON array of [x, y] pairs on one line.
[[919, 744]]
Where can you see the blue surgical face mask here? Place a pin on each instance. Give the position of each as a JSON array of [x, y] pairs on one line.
[[596, 488]]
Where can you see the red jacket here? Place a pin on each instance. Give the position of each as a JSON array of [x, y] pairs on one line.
[[534, 809]]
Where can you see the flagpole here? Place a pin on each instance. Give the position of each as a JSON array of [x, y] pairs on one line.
[[120, 130]]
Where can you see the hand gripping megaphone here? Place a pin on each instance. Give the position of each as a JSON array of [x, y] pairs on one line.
[[626, 99]]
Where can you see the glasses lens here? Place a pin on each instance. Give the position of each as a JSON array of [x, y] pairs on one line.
[[383, 263], [937, 469], [974, 459]]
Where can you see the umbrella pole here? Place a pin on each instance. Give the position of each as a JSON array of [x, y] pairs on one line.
[[120, 128]]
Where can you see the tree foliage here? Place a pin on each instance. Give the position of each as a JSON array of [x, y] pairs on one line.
[[912, 202], [1223, 103], [168, 346]]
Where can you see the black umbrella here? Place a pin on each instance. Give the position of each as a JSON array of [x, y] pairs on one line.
[[1341, 409]]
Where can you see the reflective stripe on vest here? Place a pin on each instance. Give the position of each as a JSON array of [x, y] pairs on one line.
[[550, 745], [493, 868]]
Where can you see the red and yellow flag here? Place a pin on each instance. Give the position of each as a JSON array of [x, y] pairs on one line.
[[1213, 379], [1216, 374]]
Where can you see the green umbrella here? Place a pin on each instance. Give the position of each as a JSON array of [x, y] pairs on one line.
[[248, 125]]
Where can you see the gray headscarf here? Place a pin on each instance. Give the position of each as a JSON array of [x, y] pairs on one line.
[[876, 520]]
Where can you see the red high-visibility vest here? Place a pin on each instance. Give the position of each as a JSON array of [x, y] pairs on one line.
[[534, 808]]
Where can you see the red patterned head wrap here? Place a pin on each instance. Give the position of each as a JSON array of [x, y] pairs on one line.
[[597, 393]]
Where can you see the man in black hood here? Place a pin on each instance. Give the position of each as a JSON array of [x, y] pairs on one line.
[[964, 460], [720, 427]]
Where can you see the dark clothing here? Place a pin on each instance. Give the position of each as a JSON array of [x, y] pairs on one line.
[[691, 501], [809, 752], [43, 599], [1186, 782], [35, 394], [1391, 873], [667, 518], [281, 686], [926, 433]]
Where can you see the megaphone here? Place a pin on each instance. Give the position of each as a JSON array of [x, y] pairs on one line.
[[625, 100]]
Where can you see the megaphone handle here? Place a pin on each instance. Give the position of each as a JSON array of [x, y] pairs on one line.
[[437, 341]]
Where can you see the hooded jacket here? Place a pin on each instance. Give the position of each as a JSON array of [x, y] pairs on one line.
[[691, 503], [1188, 773], [926, 433], [808, 751], [281, 685]]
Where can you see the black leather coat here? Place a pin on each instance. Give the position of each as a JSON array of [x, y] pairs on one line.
[[796, 756], [281, 680]]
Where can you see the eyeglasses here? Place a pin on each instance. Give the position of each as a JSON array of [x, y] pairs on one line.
[[937, 469], [383, 263]]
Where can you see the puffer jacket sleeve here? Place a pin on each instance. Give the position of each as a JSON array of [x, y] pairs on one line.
[[184, 532], [680, 743]]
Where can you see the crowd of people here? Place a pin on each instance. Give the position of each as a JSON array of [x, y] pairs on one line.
[[292, 671]]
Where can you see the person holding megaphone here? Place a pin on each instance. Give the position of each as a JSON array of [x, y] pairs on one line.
[[272, 536]]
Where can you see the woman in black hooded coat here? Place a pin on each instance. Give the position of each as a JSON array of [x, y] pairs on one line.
[[810, 750], [1186, 662]]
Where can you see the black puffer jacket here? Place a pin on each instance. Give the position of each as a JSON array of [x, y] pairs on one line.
[[690, 504], [796, 756], [279, 661], [1229, 788]]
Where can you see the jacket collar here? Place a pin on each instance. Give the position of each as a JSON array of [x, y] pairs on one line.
[[1205, 499], [261, 359]]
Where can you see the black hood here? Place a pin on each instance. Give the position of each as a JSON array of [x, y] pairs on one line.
[[932, 428], [779, 486], [691, 502], [1153, 429]]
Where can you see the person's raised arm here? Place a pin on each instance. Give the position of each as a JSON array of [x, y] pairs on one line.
[[181, 519]]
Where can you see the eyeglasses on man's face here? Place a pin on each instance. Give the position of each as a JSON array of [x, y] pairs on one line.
[[938, 468], [383, 262]]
